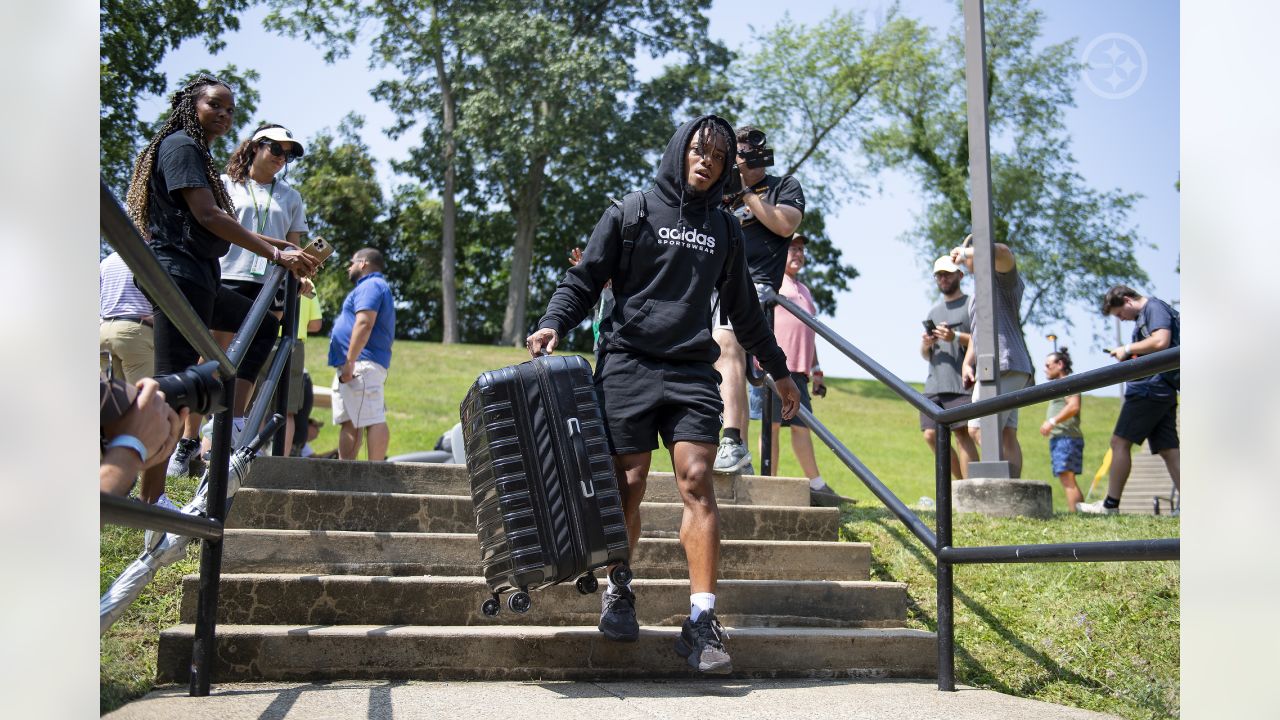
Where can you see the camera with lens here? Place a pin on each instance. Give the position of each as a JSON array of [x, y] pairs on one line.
[[760, 155], [198, 387]]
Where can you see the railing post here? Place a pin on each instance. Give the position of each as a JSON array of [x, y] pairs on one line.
[[766, 431], [946, 605], [288, 329], [203, 648]]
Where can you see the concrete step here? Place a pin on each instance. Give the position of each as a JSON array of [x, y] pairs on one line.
[[1148, 479], [398, 512], [286, 599], [393, 553], [304, 652], [432, 479]]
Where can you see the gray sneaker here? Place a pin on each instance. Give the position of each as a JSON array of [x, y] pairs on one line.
[[732, 456], [180, 461], [1096, 508], [702, 644], [618, 615]]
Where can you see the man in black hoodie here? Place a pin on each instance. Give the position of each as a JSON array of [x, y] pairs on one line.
[[656, 374]]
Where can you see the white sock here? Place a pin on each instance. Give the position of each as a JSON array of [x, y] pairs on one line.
[[817, 483], [700, 603]]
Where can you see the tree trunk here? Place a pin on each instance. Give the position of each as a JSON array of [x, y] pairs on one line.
[[448, 243], [526, 209]]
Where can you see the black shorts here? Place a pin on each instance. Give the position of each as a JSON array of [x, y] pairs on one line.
[[802, 383], [251, 288], [1153, 419], [946, 401], [643, 399]]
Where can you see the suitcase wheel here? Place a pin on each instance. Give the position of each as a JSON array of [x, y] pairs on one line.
[[621, 574], [587, 584], [490, 607], [519, 602]]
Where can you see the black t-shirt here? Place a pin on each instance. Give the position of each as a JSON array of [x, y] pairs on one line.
[[185, 248], [767, 252], [1156, 315]]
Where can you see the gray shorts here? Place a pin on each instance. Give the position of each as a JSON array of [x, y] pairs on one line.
[[1009, 381]]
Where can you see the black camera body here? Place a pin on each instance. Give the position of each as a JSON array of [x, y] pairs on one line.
[[760, 155], [198, 387]]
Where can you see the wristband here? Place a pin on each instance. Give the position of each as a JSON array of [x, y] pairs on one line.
[[1053, 421], [815, 370], [131, 442], [275, 254], [1126, 349]]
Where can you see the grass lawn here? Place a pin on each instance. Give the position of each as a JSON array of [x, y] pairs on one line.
[[1102, 636]]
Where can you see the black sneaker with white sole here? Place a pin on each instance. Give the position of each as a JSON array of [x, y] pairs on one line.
[[701, 643], [180, 461], [618, 615]]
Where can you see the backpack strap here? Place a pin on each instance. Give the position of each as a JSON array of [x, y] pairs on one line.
[[634, 211]]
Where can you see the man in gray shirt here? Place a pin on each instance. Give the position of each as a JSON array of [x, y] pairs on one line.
[[1015, 361], [944, 349]]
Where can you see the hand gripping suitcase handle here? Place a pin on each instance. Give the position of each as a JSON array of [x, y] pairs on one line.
[[580, 452]]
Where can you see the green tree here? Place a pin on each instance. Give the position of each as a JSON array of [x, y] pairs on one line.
[[135, 35], [338, 182], [542, 91], [1071, 241], [813, 91]]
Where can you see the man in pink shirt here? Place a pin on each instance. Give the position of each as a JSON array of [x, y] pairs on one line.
[[797, 340]]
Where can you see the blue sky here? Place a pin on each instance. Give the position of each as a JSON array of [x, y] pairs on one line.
[[1129, 143]]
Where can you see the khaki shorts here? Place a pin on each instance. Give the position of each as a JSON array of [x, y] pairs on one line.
[[132, 349], [1009, 381], [360, 401]]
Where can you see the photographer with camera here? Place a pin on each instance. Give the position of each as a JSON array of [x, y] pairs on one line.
[[139, 430], [769, 208]]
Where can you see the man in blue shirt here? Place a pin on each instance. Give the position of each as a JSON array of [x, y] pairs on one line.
[[1150, 409], [360, 349]]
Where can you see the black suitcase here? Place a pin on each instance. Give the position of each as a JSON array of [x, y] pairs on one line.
[[546, 498]]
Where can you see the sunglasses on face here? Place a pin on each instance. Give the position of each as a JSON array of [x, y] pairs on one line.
[[278, 150]]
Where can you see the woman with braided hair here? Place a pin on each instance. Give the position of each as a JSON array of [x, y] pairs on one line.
[[177, 200]]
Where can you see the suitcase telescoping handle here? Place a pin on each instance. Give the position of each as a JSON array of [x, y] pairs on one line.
[[580, 451]]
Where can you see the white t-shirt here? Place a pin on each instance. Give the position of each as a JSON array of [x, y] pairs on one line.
[[272, 211]]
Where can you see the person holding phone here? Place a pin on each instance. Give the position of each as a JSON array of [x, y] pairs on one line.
[[943, 345], [178, 202]]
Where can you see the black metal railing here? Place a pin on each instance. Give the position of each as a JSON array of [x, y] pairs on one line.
[[120, 232], [939, 541]]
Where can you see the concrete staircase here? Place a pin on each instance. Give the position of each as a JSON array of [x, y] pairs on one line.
[[351, 570]]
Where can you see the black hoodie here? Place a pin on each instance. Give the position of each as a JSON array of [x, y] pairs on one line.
[[685, 249]]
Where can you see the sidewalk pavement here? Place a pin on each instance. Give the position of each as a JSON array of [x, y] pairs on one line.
[[629, 700]]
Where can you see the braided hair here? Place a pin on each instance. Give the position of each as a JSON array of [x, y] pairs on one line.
[[1061, 355], [182, 116], [242, 157]]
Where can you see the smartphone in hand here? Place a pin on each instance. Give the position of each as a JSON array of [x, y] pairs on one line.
[[929, 326], [319, 249]]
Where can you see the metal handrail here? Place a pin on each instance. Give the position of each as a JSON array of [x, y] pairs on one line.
[[163, 292], [116, 510], [939, 542], [153, 279]]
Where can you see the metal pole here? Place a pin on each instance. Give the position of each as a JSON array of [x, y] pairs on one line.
[[946, 605], [984, 278], [288, 329], [203, 649]]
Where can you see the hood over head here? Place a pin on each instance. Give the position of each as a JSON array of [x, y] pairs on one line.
[[670, 184]]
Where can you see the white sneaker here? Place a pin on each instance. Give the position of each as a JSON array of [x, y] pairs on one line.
[[1096, 508], [732, 456]]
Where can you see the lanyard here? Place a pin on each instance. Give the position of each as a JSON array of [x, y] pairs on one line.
[[259, 219]]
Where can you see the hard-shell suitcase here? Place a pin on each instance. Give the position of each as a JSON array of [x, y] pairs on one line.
[[546, 498]]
